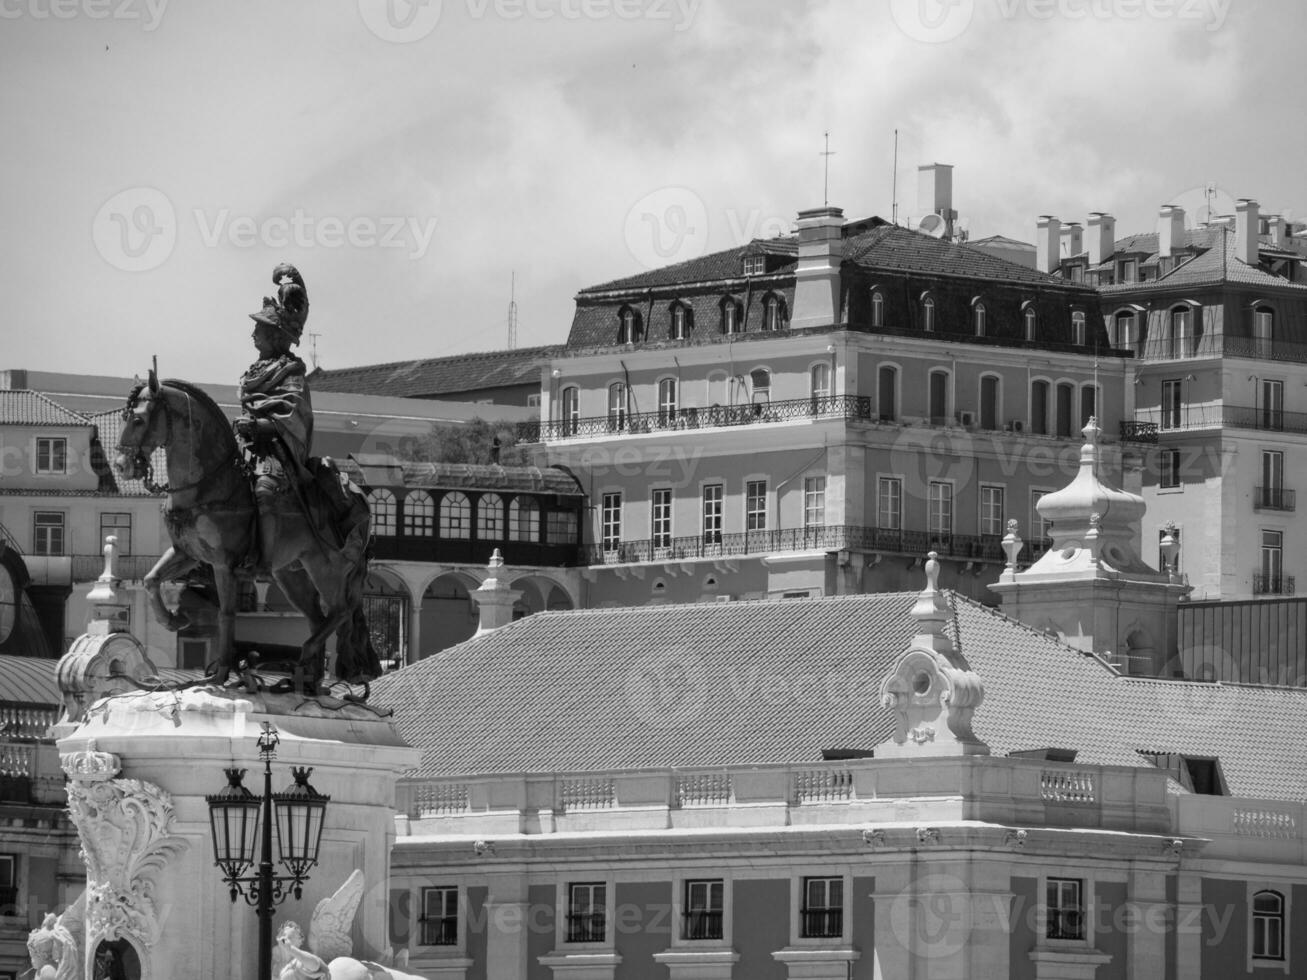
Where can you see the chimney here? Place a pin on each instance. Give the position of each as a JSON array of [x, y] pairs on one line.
[[1170, 230], [1102, 237], [1275, 227], [494, 599], [817, 278], [1047, 242], [1072, 239], [935, 193], [1245, 231]]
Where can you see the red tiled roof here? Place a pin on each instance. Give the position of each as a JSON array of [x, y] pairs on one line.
[[438, 375], [723, 684], [21, 407]]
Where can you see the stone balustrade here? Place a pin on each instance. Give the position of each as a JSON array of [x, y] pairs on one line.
[[1241, 828]]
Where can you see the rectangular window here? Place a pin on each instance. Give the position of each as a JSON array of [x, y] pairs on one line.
[[1088, 404], [823, 908], [571, 413], [533, 400], [611, 521], [814, 501], [1272, 413], [713, 494], [561, 526], [586, 920], [1168, 461], [1129, 271], [1066, 918], [940, 512], [48, 533], [1272, 491], [702, 915], [1262, 330], [51, 455], [8, 884], [889, 503], [1268, 926], [1272, 574], [660, 518], [1172, 400], [120, 526], [1039, 408], [989, 411], [440, 916], [755, 505], [1065, 395], [991, 511], [1178, 341]]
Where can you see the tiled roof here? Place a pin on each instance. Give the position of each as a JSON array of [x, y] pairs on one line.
[[21, 407], [29, 680], [896, 249], [723, 684], [1216, 265], [714, 267], [378, 470], [438, 375]]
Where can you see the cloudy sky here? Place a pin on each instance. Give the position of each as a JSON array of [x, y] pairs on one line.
[[159, 158]]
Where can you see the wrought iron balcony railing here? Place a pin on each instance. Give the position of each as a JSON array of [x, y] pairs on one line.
[[1220, 345], [1273, 498], [586, 927], [823, 923], [87, 568], [1145, 432], [1264, 584], [1211, 416], [714, 416], [701, 924]]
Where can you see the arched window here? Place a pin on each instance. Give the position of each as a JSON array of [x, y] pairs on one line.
[[732, 316], [628, 331], [1030, 320], [571, 410], [1268, 926], [820, 379], [681, 321], [418, 511], [455, 516], [667, 401], [618, 405], [1263, 330], [877, 308], [887, 395], [490, 517], [523, 519], [760, 381], [938, 394], [1065, 399], [382, 503], [773, 312], [1123, 332], [978, 316], [989, 402], [1078, 331], [927, 313], [1039, 408]]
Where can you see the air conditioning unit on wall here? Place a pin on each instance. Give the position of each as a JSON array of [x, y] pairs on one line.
[[1016, 425], [968, 419]]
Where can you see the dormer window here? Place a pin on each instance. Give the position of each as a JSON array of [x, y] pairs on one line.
[[773, 312], [1029, 319], [629, 329], [755, 265], [680, 327], [877, 308], [1078, 331], [1127, 271], [927, 313], [732, 316], [978, 316]]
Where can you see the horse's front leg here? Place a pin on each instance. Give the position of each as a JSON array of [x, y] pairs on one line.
[[224, 579], [173, 565]]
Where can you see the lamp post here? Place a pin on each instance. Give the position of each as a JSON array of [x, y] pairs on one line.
[[239, 819]]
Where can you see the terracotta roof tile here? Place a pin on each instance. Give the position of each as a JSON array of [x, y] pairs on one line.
[[22, 407], [438, 375], [743, 683]]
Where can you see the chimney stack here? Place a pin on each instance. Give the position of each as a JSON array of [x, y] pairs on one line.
[[817, 277], [494, 598], [1275, 226], [1246, 226], [1170, 230], [935, 193], [1072, 239], [1102, 237], [1048, 240]]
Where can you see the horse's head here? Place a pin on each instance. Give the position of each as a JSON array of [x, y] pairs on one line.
[[145, 428]]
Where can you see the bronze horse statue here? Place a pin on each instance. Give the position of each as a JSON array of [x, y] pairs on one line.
[[211, 518]]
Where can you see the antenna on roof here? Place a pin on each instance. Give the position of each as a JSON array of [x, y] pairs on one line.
[[512, 311], [825, 181], [894, 183]]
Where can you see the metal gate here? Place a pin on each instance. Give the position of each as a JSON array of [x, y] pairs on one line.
[[388, 626]]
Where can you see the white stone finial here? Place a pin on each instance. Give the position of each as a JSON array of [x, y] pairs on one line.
[[1012, 545], [110, 552], [109, 608], [932, 571], [496, 560], [1170, 549]]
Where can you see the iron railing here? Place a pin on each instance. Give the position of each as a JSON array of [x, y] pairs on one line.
[[1273, 498], [87, 568], [1220, 345], [1272, 584], [702, 924], [441, 930], [1210, 416], [823, 923], [709, 417], [1145, 432], [586, 927], [980, 547]]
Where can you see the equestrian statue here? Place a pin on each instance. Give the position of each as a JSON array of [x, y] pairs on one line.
[[247, 499]]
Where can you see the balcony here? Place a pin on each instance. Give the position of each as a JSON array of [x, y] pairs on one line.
[[87, 568], [1273, 498], [1272, 584], [1214, 416], [977, 547], [856, 407], [1144, 432], [1163, 349], [465, 551]]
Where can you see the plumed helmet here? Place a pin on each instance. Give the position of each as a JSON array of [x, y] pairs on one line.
[[289, 309]]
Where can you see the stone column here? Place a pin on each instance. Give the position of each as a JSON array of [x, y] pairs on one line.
[[414, 652], [508, 924]]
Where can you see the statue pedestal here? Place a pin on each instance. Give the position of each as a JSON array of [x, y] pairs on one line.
[[140, 766]]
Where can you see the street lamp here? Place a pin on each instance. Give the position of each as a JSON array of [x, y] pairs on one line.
[[239, 819]]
